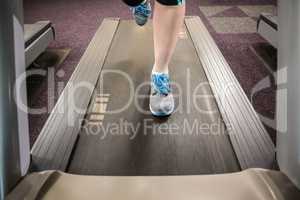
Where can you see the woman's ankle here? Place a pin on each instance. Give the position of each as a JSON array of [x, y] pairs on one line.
[[160, 69]]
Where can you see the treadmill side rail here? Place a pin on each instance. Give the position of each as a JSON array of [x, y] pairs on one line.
[[58, 136], [251, 142]]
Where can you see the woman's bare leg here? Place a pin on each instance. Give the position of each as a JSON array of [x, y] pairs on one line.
[[167, 23]]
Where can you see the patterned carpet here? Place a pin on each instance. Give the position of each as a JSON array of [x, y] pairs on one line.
[[232, 24], [235, 19], [251, 58]]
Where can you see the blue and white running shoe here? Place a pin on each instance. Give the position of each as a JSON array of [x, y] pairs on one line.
[[161, 99], [141, 13]]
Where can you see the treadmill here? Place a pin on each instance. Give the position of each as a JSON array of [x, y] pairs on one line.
[[75, 158], [267, 27], [114, 133], [37, 38]]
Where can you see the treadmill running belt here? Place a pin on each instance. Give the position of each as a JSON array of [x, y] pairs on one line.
[[132, 142]]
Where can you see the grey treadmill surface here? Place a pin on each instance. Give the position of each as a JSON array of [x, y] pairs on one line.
[[147, 147], [33, 31]]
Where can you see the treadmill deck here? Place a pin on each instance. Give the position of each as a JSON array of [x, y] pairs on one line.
[[106, 127], [193, 140]]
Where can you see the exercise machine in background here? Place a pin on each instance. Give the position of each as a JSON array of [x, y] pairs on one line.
[[37, 38], [267, 27]]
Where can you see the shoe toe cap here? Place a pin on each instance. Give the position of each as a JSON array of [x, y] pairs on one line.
[[141, 20], [162, 104]]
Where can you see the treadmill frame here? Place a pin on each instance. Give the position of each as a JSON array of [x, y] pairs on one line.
[[39, 45], [251, 142], [14, 133], [268, 30]]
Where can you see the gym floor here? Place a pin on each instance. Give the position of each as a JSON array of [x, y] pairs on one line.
[[232, 24]]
